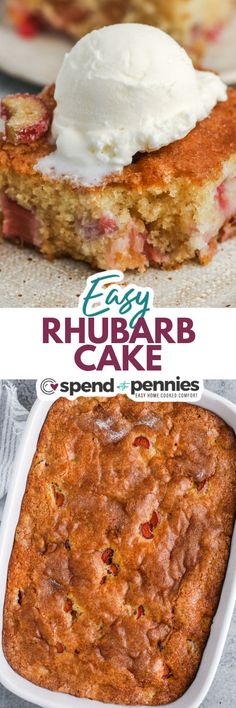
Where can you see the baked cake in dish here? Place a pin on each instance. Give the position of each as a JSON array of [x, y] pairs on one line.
[[167, 207], [193, 23], [121, 549]]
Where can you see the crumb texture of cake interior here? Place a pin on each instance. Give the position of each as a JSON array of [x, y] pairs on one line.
[[121, 549], [193, 23]]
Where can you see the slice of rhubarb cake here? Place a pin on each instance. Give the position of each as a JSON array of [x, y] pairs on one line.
[[193, 23], [166, 208]]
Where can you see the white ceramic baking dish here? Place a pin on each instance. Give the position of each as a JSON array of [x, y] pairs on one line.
[[212, 654]]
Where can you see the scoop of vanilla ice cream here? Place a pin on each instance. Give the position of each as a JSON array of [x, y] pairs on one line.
[[124, 89]]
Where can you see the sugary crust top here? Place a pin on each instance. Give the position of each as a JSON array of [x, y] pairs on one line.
[[121, 549], [197, 157]]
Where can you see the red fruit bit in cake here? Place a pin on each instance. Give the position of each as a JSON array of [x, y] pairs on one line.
[[59, 497], [221, 197], [148, 526], [201, 485], [146, 530], [107, 224], [19, 222], [28, 26], [196, 31], [20, 597], [113, 569], [93, 229], [154, 254], [140, 611], [68, 605], [60, 648], [228, 230], [26, 23], [167, 673], [136, 239], [107, 555], [213, 34], [154, 520], [141, 441], [26, 118]]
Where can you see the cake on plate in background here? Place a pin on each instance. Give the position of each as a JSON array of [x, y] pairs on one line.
[[193, 23]]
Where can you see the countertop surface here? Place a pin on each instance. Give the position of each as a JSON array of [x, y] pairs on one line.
[[223, 690]]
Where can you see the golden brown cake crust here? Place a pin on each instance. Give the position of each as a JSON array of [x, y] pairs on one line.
[[121, 549], [197, 157]]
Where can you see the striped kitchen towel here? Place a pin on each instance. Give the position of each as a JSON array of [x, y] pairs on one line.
[[12, 421]]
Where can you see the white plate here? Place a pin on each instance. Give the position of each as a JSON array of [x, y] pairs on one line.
[[212, 654], [38, 60], [221, 55]]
